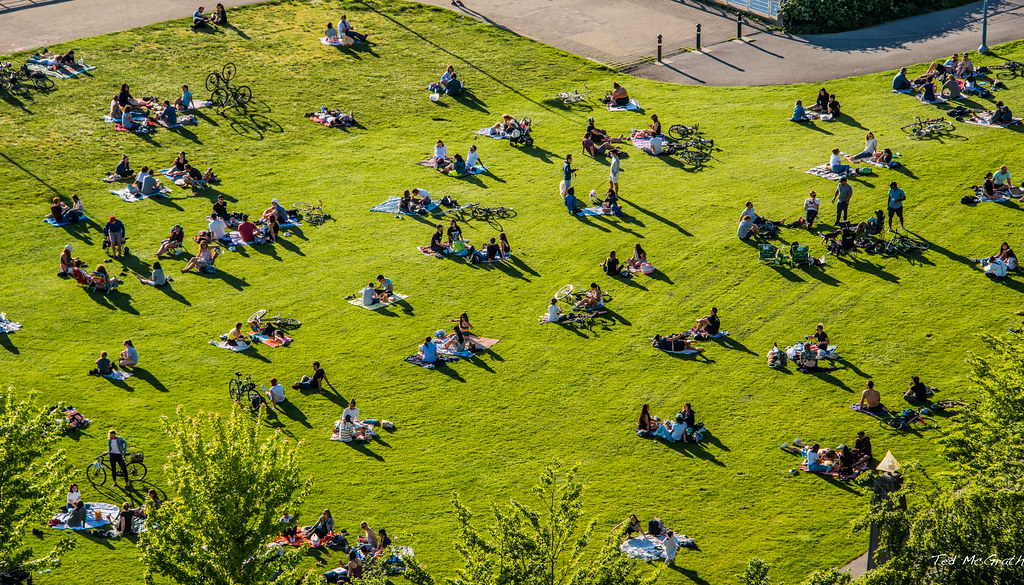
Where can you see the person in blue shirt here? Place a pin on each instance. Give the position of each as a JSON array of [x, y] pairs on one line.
[[113, 231], [458, 167], [185, 101], [169, 115], [896, 199], [127, 122], [428, 352], [199, 19], [567, 172], [798, 112], [571, 203], [454, 86], [929, 91], [900, 81]]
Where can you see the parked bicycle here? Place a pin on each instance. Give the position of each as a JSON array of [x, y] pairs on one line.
[[20, 81], [225, 95], [922, 128], [578, 293], [908, 419], [682, 132], [573, 97], [96, 472], [312, 213], [278, 321], [488, 213], [461, 212], [588, 320], [1009, 70]]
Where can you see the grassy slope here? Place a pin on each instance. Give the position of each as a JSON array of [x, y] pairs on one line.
[[485, 429]]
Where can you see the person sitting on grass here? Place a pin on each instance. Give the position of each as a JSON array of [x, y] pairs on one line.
[[123, 169], [671, 432], [127, 121], [1006, 257], [385, 291], [104, 367], [428, 351], [456, 167], [185, 102], [871, 399], [78, 514], [813, 459], [757, 219], [638, 259], [610, 205], [1001, 180], [799, 115], [870, 148], [951, 89], [145, 183], [347, 431], [369, 295], [928, 90], [62, 213], [504, 248], [66, 262], [156, 277], [438, 86], [821, 103], [125, 99], [490, 252], [707, 326], [611, 265], [820, 337], [270, 230], [554, 312], [276, 209], [248, 231], [847, 235], [219, 229], [199, 20], [862, 447], [619, 96], [322, 527], [331, 33], [169, 115], [268, 330], [675, 343], [454, 86], [173, 241], [601, 136], [472, 158], [275, 395], [129, 358], [900, 81], [833, 107], [316, 382], [346, 29], [647, 423], [746, 228], [236, 337], [420, 198], [918, 391], [125, 520], [1001, 115], [571, 203], [591, 299], [203, 259], [438, 246], [457, 341], [220, 15], [835, 163]]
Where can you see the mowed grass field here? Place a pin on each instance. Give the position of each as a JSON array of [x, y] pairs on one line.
[[485, 428]]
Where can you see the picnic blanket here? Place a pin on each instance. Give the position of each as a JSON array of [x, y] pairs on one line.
[[118, 375], [857, 408], [938, 100], [139, 117], [391, 206], [126, 195], [830, 354], [108, 512], [858, 468], [427, 251], [632, 106], [596, 210], [190, 121], [8, 326], [301, 539], [825, 172], [441, 359], [980, 195], [683, 352], [908, 91], [358, 301], [338, 41], [979, 121], [489, 132], [224, 345], [642, 143], [271, 341], [365, 425], [650, 548], [473, 170], [145, 127], [55, 223], [66, 71], [236, 240]]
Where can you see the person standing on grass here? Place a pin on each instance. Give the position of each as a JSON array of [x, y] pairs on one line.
[[613, 173], [113, 230], [843, 193], [116, 449], [896, 199], [567, 172]]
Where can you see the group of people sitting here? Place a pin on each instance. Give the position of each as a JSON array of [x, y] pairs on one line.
[[61, 213], [998, 185], [457, 341], [1001, 115], [453, 242], [133, 113], [826, 107], [612, 267], [840, 460], [871, 152], [455, 165], [185, 175], [449, 83], [597, 141], [681, 430], [369, 545], [703, 328], [126, 516], [382, 292], [129, 358], [999, 264], [77, 269], [201, 20]]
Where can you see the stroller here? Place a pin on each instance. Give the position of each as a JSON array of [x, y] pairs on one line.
[[520, 135]]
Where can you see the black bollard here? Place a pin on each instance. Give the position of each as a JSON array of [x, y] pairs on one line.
[[739, 26], [698, 37], [659, 48]]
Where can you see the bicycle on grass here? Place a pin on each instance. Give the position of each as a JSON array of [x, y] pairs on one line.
[[96, 472], [278, 321], [922, 128], [1009, 70], [243, 392], [573, 97], [908, 419], [461, 213], [682, 132], [578, 293], [488, 213], [588, 320], [312, 213]]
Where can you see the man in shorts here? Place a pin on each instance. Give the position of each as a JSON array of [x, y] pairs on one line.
[[871, 399], [613, 173], [896, 199]]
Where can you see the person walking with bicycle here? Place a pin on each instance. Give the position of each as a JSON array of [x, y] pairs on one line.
[[843, 193], [117, 447], [896, 199]]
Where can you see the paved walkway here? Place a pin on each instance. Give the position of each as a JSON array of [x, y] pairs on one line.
[[615, 32]]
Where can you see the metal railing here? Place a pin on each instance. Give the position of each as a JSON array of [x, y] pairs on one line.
[[766, 8]]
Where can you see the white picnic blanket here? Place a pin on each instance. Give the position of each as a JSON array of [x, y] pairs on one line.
[[825, 172], [794, 350], [109, 514], [651, 547], [979, 121], [8, 326], [632, 106], [489, 132], [118, 375], [224, 345], [127, 196], [358, 301]]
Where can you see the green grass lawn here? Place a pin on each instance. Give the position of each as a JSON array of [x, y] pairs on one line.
[[485, 428]]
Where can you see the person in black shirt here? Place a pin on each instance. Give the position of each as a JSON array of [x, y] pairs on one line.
[[918, 391], [862, 448], [846, 459], [383, 540], [220, 207], [707, 326], [611, 265], [492, 249], [820, 336], [686, 416], [316, 382], [436, 245]]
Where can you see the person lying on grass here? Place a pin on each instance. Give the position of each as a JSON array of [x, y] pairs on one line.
[[156, 278], [316, 382], [871, 399], [104, 367], [333, 118], [428, 351], [205, 258], [236, 337], [456, 167], [129, 357], [674, 343], [268, 330], [611, 265], [145, 183]]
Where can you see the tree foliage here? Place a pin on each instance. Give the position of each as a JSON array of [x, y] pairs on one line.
[[31, 482], [546, 545], [756, 572], [966, 533], [232, 483]]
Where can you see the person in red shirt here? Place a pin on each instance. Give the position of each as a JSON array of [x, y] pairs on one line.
[[247, 229]]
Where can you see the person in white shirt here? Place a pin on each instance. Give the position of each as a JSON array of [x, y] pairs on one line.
[[275, 395], [369, 295], [421, 196], [835, 163], [655, 146], [554, 313], [74, 496], [670, 545], [218, 228], [870, 147], [351, 411], [440, 154], [811, 205], [472, 158]]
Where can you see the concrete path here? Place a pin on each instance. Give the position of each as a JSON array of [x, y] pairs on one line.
[[620, 33]]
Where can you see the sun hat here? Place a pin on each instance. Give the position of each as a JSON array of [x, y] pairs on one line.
[[68, 247]]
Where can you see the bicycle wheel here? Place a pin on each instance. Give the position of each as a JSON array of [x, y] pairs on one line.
[[257, 315], [96, 477], [563, 292], [253, 401], [506, 212], [285, 322], [18, 88], [944, 126], [1008, 73], [313, 218], [214, 81], [228, 73], [678, 131], [219, 97], [43, 83], [303, 206], [234, 389], [244, 95], [136, 471], [914, 243], [892, 423], [481, 213], [922, 423]]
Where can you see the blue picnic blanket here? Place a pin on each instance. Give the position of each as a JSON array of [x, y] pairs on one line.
[[391, 206], [54, 223]]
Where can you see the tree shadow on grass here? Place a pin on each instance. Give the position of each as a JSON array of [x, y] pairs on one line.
[[31, 174], [147, 377], [656, 217], [6, 343]]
